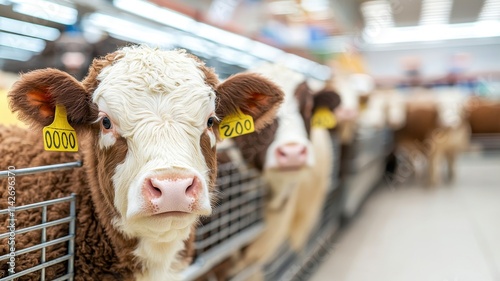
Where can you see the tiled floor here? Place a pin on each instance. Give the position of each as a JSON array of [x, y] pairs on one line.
[[410, 233]]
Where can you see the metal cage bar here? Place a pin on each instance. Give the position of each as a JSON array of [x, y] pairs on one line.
[[236, 220], [43, 241], [41, 169]]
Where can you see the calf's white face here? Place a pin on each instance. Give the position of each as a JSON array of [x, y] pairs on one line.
[[161, 117], [285, 146], [291, 147]]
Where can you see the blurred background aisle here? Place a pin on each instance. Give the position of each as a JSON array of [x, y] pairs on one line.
[[411, 232]]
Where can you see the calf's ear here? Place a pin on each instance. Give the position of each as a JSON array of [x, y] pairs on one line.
[[326, 98], [253, 94], [36, 94]]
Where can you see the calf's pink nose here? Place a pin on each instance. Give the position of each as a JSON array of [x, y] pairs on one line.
[[291, 155], [166, 194]]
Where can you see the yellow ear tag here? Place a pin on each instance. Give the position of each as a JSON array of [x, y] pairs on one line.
[[236, 125], [60, 136], [324, 118], [363, 106]]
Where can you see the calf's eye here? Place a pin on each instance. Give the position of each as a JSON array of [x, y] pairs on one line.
[[106, 123], [210, 122]]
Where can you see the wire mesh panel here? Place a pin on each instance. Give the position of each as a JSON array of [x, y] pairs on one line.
[[240, 206], [368, 146], [68, 238], [236, 220], [289, 265], [39, 236], [367, 161]]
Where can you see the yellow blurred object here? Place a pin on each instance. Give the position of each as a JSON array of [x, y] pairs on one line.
[[351, 62], [6, 116]]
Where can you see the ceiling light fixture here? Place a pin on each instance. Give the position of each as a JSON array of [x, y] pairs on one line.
[[315, 5], [223, 37], [203, 33], [156, 13], [15, 54], [377, 14], [426, 33], [127, 30], [490, 10], [22, 42], [29, 29], [435, 12], [46, 10]]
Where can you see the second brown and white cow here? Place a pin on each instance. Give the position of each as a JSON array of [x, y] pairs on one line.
[[296, 161], [147, 120]]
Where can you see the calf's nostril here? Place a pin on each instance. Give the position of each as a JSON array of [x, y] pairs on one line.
[[192, 189], [153, 190], [157, 191]]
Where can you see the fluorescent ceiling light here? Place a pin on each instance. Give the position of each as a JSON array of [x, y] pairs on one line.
[[237, 57], [197, 45], [490, 10], [129, 31], [15, 54], [231, 56], [156, 13], [427, 33], [176, 20], [377, 14], [29, 29], [222, 37], [184, 23], [22, 42], [321, 72], [265, 52], [296, 63], [46, 10], [436, 12], [315, 5]]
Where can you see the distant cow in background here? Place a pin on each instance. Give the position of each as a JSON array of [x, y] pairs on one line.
[[483, 115], [355, 91], [435, 129], [296, 161], [147, 120]]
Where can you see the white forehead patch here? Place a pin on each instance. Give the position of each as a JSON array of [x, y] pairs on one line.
[[287, 79], [153, 85]]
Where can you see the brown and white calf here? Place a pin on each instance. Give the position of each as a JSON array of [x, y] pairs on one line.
[[296, 161], [147, 121], [435, 129]]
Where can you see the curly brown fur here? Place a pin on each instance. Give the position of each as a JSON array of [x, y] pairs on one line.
[[100, 254]]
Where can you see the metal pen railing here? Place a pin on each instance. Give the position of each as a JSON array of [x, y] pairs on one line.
[[44, 243], [70, 238], [236, 220]]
